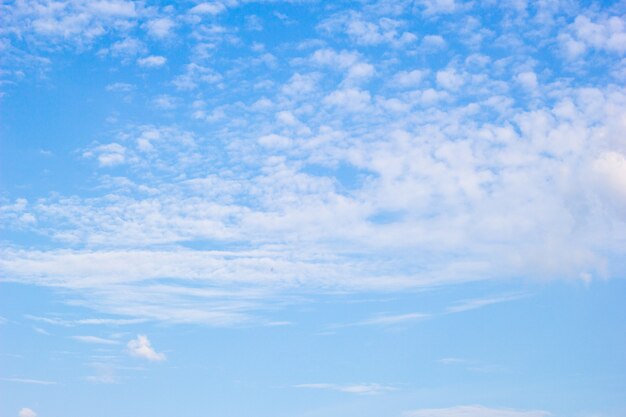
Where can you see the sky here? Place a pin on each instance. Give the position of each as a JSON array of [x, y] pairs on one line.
[[366, 208]]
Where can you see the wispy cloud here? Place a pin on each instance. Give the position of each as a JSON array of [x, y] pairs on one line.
[[472, 365], [474, 411], [41, 331], [360, 389], [78, 322], [29, 381], [95, 340], [386, 320], [476, 303]]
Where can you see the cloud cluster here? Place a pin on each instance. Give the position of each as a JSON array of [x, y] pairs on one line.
[[372, 156]]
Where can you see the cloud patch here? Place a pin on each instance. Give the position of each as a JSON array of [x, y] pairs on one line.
[[475, 411], [27, 412], [141, 347]]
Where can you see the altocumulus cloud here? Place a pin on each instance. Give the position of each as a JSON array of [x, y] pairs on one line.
[[141, 347]]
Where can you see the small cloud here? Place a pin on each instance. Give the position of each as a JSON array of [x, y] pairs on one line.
[[394, 319], [350, 99], [141, 348], [108, 155], [120, 87], [28, 381], [274, 141], [278, 323], [360, 389], [474, 411], [152, 61], [527, 79], [449, 79], [212, 8], [452, 361], [434, 7], [408, 78], [104, 374], [113, 8], [160, 28], [433, 42], [165, 102], [27, 412], [481, 302], [41, 331], [95, 340], [125, 48], [387, 320]]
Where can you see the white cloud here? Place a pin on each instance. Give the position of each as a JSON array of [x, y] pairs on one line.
[[113, 8], [608, 176], [330, 57], [108, 155], [152, 61], [195, 75], [29, 381], [411, 78], [601, 32], [433, 42], [274, 141], [456, 176], [351, 99], [468, 305], [359, 389], [300, 84], [528, 79], [449, 79], [160, 28], [141, 348], [95, 340], [120, 87], [388, 320], [27, 412], [366, 31], [434, 7], [212, 8], [348, 61], [474, 411], [127, 47], [165, 102]]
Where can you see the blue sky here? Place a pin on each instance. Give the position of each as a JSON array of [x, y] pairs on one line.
[[312, 209]]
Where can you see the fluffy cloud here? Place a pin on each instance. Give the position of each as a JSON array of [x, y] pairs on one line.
[[606, 33], [608, 173], [152, 61], [212, 8], [160, 28], [141, 348], [434, 7], [107, 155]]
